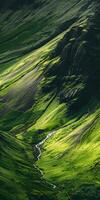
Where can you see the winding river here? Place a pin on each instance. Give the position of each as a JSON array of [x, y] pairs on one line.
[[39, 152]]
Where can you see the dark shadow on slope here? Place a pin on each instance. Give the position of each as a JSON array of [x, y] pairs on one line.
[[77, 76]]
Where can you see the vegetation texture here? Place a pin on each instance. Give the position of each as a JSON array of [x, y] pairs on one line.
[[49, 100]]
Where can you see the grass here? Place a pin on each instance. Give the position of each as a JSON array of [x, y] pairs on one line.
[[17, 82], [52, 117], [39, 79], [71, 156], [30, 27], [19, 179]]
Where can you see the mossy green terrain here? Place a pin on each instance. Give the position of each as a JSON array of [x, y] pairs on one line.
[[71, 158], [19, 179], [49, 83]]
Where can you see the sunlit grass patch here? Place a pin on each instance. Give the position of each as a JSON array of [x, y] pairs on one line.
[[65, 159]]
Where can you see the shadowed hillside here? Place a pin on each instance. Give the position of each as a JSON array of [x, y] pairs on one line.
[[49, 85], [17, 4]]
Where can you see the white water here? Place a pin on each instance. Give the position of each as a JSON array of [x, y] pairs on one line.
[[38, 147]]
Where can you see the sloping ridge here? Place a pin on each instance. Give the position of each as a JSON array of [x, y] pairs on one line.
[[53, 88]]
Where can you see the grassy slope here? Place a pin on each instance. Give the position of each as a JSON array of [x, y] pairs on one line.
[[29, 102], [30, 28], [19, 179], [71, 157]]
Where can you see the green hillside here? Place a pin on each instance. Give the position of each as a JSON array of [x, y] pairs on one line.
[[50, 100], [19, 179]]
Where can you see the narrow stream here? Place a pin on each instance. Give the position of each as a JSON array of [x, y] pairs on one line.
[[39, 145], [39, 152]]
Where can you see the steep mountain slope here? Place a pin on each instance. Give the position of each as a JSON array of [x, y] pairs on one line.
[[54, 87], [30, 27], [19, 179]]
